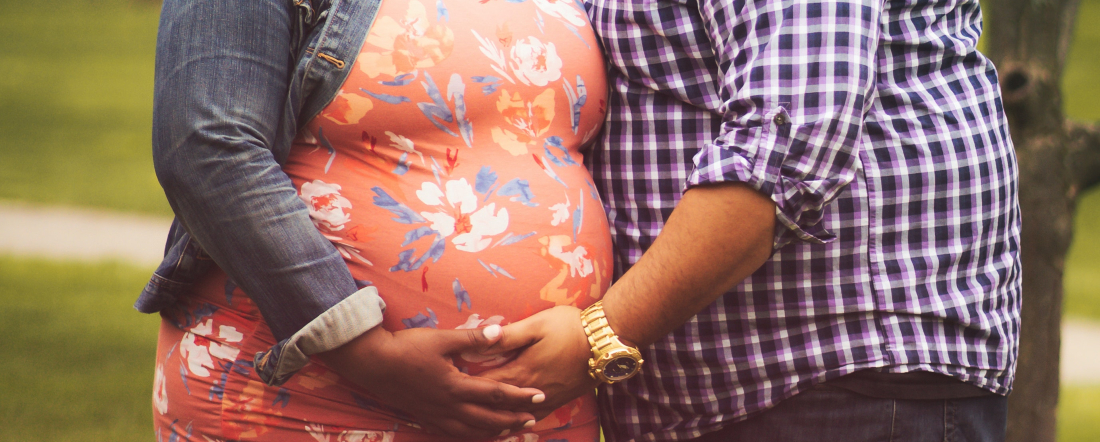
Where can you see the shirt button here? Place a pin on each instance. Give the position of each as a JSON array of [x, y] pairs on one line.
[[780, 119]]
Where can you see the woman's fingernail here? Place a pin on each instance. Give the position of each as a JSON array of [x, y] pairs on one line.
[[491, 332], [529, 424], [504, 433], [538, 398]]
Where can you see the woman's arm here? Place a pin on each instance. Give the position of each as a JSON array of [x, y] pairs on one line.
[[222, 78]]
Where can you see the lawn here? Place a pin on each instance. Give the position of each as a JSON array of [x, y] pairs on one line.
[[1079, 414], [77, 360], [76, 88], [1082, 279]]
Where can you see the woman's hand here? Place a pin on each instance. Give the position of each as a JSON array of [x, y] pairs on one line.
[[411, 370], [555, 359]]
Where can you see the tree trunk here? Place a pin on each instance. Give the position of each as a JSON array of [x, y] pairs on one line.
[[1028, 42]]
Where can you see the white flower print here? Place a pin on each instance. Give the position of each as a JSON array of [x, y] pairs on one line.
[[534, 62], [562, 9], [441, 222], [495, 54], [224, 351], [198, 357], [526, 437], [561, 212], [458, 213], [230, 333], [203, 328], [199, 351], [160, 390], [405, 144], [327, 207], [578, 261], [319, 434]]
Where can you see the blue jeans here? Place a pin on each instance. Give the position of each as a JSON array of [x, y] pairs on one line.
[[825, 413]]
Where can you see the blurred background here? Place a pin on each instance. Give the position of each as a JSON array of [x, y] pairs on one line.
[[76, 361]]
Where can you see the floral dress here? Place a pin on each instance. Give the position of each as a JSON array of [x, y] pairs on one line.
[[448, 173]]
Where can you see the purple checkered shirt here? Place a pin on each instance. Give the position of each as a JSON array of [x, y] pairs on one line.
[[877, 128]]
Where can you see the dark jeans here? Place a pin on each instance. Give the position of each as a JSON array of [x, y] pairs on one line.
[[826, 414]]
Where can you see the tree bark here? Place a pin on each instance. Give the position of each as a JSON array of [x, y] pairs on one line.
[[1028, 42]]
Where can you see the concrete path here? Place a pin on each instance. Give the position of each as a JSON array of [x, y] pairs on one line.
[[1080, 352], [82, 234]]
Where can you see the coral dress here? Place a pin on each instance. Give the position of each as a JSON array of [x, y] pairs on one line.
[[448, 172]]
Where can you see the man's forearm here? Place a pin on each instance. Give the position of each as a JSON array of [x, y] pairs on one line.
[[716, 237]]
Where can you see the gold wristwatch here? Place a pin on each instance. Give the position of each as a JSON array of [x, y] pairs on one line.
[[611, 361]]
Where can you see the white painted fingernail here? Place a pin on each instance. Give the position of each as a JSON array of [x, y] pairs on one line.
[[529, 424], [538, 398], [504, 433], [491, 332]]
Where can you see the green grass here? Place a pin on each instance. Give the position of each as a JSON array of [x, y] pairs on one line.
[[1079, 414], [76, 86], [77, 360], [1082, 279], [1080, 90]]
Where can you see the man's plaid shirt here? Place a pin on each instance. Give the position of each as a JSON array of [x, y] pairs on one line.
[[878, 130]]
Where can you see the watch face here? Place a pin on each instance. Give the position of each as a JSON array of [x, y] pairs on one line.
[[620, 368]]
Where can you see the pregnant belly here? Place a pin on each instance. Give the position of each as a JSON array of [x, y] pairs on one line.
[[478, 246]]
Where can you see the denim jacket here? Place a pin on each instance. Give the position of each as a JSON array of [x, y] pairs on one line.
[[235, 80]]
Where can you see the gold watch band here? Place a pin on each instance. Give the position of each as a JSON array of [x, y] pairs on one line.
[[607, 349], [596, 327]]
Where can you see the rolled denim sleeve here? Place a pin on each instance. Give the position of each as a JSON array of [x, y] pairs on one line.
[[798, 77], [220, 104]]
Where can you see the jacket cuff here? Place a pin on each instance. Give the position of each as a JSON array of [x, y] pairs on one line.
[[337, 326]]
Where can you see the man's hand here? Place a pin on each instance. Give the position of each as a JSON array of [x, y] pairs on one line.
[[411, 370], [718, 235], [555, 359]]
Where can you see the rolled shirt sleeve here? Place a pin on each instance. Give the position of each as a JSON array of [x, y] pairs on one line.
[[336, 326], [799, 77]]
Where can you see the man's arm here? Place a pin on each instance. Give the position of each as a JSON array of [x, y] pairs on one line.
[[797, 78], [717, 236]]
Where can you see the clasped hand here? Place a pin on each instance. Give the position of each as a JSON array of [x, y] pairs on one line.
[[553, 357], [419, 378], [412, 371]]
